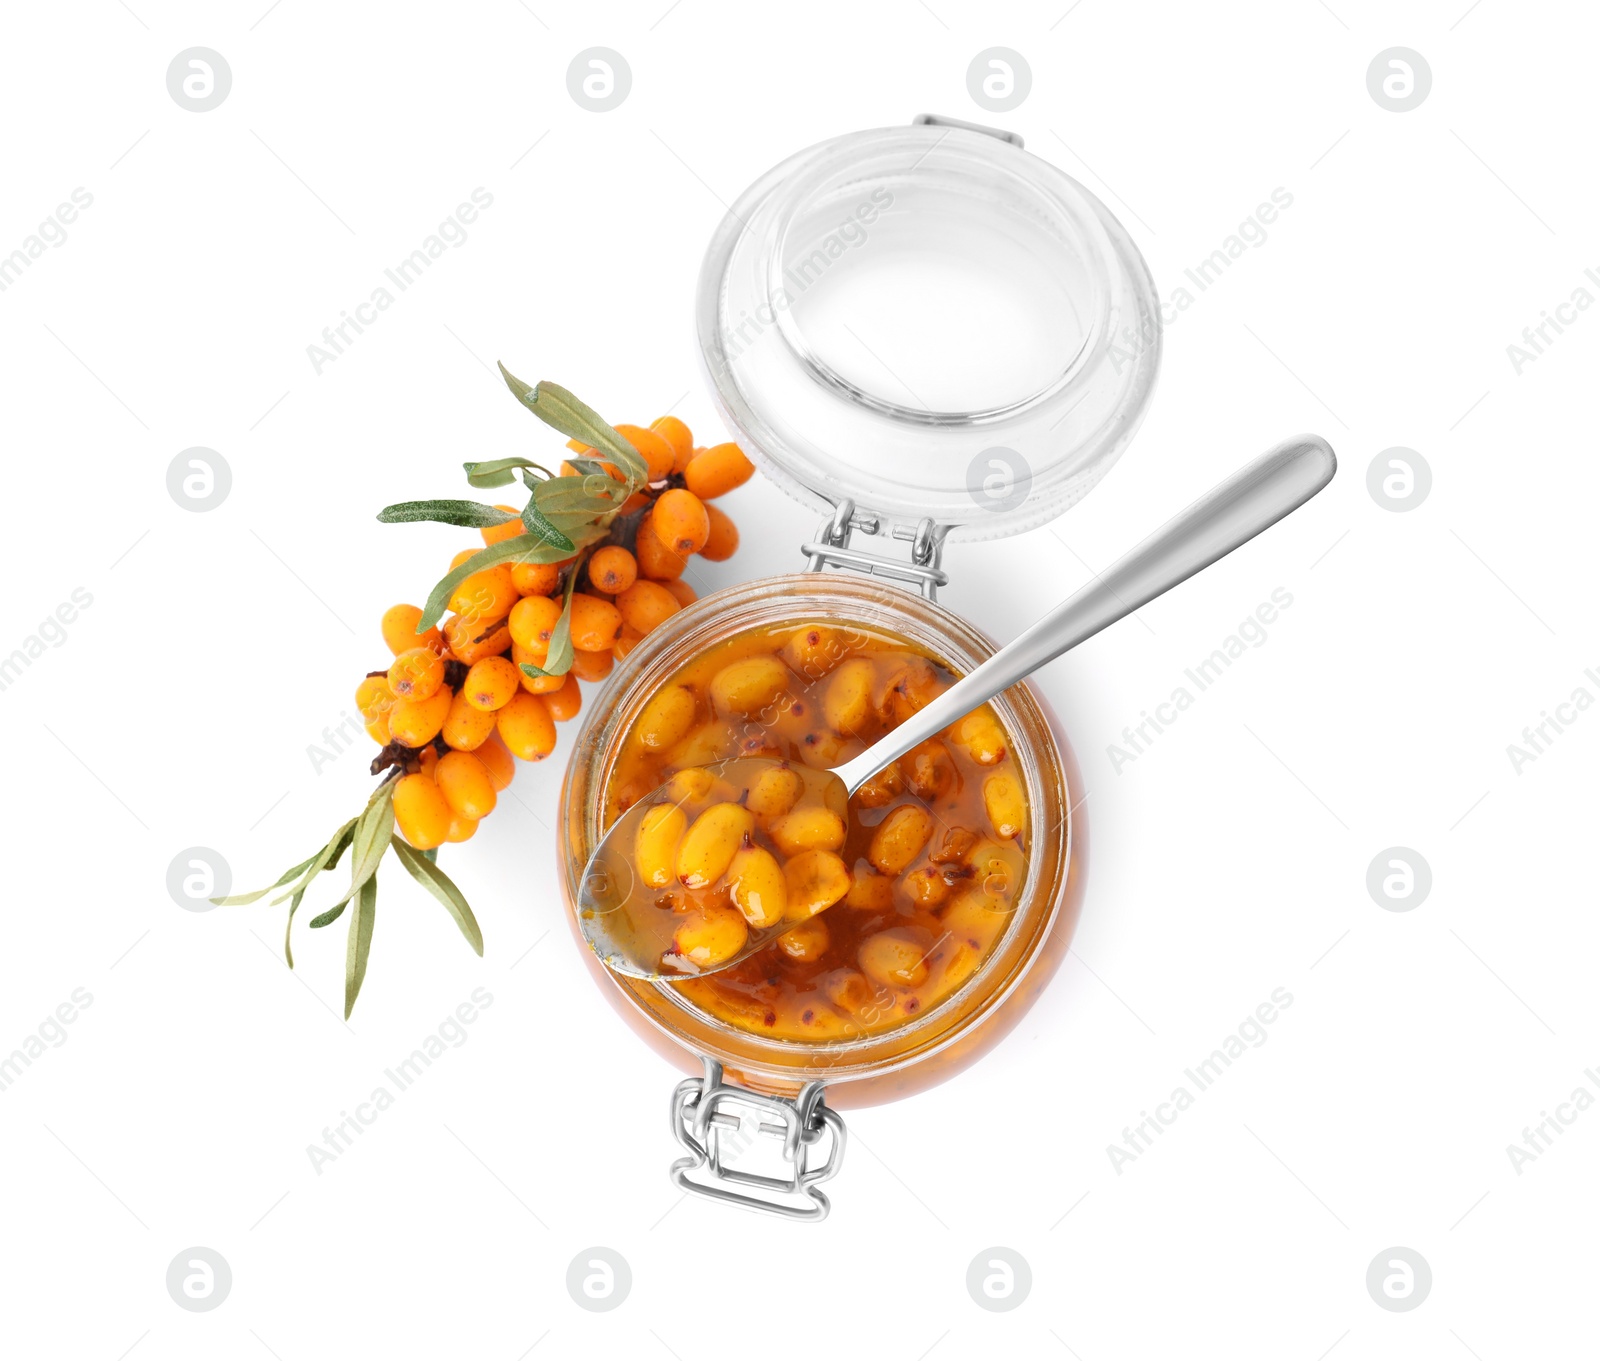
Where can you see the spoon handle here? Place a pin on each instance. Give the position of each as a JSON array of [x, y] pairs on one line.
[[1231, 513]]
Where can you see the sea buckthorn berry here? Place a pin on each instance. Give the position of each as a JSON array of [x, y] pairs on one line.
[[848, 990], [717, 470], [807, 941], [535, 578], [378, 729], [465, 784], [676, 434], [497, 761], [953, 847], [651, 446], [722, 542], [646, 604], [541, 685], [666, 717], [910, 687], [899, 838], [894, 958], [420, 811], [416, 673], [929, 770], [471, 640], [807, 829], [374, 698], [493, 534], [822, 749], [655, 844], [814, 651], [427, 761], [975, 917], [463, 557], [533, 619], [776, 790], [743, 687], [490, 683], [612, 569], [681, 591], [565, 703], [816, 881], [400, 630], [980, 735], [526, 727], [1004, 803], [592, 666], [416, 722], [680, 521], [466, 727], [711, 842], [926, 887], [656, 561], [596, 623], [881, 789], [461, 829], [998, 868], [756, 886], [847, 704], [487, 595], [870, 892], [710, 935]]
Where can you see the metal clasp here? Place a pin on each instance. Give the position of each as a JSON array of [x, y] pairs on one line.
[[938, 120], [926, 540], [705, 1111]]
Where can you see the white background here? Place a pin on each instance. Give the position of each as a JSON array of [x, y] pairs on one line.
[[1228, 860]]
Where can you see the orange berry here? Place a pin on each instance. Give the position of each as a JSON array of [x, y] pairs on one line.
[[373, 697], [646, 604], [465, 785], [461, 829], [533, 620], [638, 501], [416, 722], [527, 728], [613, 569], [565, 702], [655, 559], [463, 556], [723, 540], [542, 685], [487, 595], [631, 638], [493, 534], [490, 683], [497, 761], [427, 760], [682, 592], [680, 521], [420, 811], [610, 469], [466, 727], [652, 447], [717, 471], [400, 630], [470, 640], [676, 433], [535, 578], [592, 666], [595, 623], [416, 673]]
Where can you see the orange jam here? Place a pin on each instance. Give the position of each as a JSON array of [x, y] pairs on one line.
[[932, 854]]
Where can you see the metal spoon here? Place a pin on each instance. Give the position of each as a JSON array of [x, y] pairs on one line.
[[618, 914]]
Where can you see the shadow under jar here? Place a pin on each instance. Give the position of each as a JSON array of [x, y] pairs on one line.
[[929, 336]]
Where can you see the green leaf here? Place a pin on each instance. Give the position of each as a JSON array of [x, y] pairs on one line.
[[241, 899], [330, 916], [517, 549], [467, 514], [360, 942], [558, 660], [438, 883], [557, 407], [538, 524], [496, 472], [326, 860], [368, 843]]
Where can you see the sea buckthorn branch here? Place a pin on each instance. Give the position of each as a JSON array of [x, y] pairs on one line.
[[559, 590]]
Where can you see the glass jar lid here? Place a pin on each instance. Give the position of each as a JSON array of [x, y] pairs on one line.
[[932, 323]]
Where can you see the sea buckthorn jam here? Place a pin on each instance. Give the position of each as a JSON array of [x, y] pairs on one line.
[[895, 904]]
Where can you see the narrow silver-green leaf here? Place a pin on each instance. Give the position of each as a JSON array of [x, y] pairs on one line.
[[538, 524], [557, 407], [438, 883], [520, 548], [368, 843], [359, 942], [558, 660], [330, 916], [241, 899], [466, 514], [496, 472], [326, 860]]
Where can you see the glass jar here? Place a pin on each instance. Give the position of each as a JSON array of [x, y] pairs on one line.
[[928, 335]]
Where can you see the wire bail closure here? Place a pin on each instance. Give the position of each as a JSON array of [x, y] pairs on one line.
[[926, 540], [704, 1111]]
